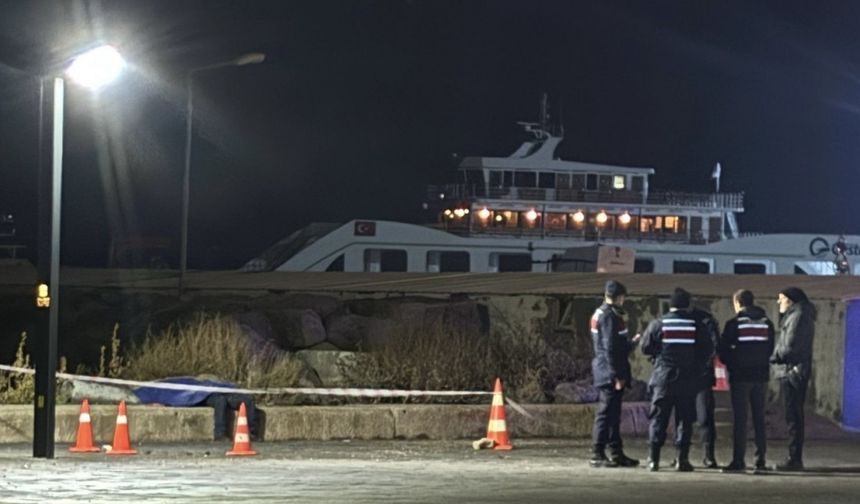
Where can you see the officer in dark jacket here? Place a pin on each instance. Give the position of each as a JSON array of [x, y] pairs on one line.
[[745, 348], [705, 395], [792, 365], [611, 370], [677, 344]]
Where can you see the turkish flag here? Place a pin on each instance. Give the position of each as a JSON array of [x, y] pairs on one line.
[[365, 228]]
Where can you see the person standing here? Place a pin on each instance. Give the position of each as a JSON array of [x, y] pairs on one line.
[[611, 372], [676, 343], [792, 365], [745, 347], [705, 396]]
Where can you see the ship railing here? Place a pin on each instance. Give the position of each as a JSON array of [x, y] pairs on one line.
[[579, 234], [459, 192]]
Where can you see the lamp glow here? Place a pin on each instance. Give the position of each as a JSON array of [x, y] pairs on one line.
[[484, 214], [579, 217], [602, 217], [624, 218], [531, 215], [97, 67]]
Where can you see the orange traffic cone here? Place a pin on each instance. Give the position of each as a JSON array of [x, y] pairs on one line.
[[84, 438], [242, 439], [722, 376], [121, 441], [497, 429]]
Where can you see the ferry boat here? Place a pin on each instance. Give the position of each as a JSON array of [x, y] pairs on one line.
[[531, 211]]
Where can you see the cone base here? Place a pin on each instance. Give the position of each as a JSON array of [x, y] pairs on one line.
[[503, 447], [243, 453], [91, 449], [122, 452]]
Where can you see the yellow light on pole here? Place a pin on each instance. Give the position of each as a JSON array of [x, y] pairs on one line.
[[624, 218], [579, 217], [43, 298], [484, 214], [532, 215], [602, 217]]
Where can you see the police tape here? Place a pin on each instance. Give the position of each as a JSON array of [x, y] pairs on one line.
[[338, 392]]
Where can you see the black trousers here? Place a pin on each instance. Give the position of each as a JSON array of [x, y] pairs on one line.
[[794, 393], [607, 420], [665, 401], [705, 420], [223, 406], [746, 396]]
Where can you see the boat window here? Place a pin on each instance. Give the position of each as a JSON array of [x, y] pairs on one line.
[[643, 265], [562, 180], [495, 179], [750, 268], [691, 267], [815, 268], [525, 179], [385, 260], [577, 181], [546, 180], [514, 262], [591, 182], [556, 221], [508, 179], [619, 182], [337, 264], [637, 183], [448, 261], [605, 182]]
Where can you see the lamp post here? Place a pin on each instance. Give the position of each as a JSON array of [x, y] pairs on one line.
[[92, 69], [245, 59]]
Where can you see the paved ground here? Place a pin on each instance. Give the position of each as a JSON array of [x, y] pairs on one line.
[[409, 471]]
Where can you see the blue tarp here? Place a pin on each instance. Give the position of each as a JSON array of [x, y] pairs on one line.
[[149, 395]]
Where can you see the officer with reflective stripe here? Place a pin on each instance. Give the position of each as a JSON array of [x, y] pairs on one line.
[[745, 348], [678, 345], [611, 372]]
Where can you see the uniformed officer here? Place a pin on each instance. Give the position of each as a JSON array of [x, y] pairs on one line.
[[678, 345], [611, 371], [745, 348], [705, 396]]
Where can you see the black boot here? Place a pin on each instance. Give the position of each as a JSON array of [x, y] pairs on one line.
[[599, 458], [654, 459], [684, 464], [623, 460], [710, 461]]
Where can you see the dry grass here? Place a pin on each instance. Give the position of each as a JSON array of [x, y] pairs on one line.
[[20, 388], [209, 344], [440, 358]]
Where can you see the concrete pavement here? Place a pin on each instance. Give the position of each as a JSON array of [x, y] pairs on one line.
[[411, 471]]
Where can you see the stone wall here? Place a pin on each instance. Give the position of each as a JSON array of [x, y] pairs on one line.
[[337, 322]]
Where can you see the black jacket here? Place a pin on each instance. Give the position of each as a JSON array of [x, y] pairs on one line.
[[712, 328], [746, 346], [611, 346], [792, 355], [678, 345]]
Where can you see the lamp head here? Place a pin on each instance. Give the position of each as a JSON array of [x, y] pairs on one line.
[[96, 67]]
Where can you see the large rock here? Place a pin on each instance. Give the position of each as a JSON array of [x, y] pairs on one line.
[[297, 329], [327, 365], [581, 391], [346, 331]]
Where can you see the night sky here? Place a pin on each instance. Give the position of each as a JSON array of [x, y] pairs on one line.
[[360, 104]]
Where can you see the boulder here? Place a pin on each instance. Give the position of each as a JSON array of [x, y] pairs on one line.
[[581, 391], [298, 329], [346, 331], [327, 365]]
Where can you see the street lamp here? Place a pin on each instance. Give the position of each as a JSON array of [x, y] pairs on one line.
[[93, 69], [245, 59]]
